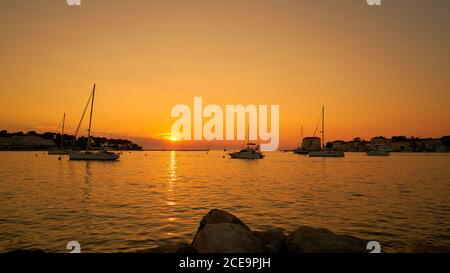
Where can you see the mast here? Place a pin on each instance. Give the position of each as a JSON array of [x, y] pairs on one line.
[[301, 143], [248, 133], [62, 130], [323, 128], [90, 120]]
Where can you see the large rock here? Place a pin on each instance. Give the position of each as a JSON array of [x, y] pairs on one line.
[[319, 240], [217, 216], [226, 238], [273, 240], [222, 232]]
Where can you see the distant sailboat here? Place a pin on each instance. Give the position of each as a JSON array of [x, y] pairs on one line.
[[102, 155], [324, 152], [61, 150], [300, 150]]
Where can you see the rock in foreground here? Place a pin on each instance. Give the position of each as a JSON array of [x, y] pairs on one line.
[[226, 238], [320, 240], [222, 232]]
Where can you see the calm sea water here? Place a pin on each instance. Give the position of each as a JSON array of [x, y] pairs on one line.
[[142, 201]]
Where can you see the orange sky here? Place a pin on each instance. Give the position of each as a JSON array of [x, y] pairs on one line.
[[378, 70]]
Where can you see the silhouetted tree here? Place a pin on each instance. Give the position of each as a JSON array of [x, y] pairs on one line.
[[48, 135]]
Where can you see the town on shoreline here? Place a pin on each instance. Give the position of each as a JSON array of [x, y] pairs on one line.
[[393, 144], [20, 141]]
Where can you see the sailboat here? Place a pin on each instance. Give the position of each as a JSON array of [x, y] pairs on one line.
[[89, 154], [324, 152], [60, 150], [300, 150], [251, 151]]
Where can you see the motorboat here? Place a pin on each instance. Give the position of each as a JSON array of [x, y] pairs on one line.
[[252, 151], [326, 153]]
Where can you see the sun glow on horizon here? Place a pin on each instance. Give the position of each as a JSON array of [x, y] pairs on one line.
[[152, 56]]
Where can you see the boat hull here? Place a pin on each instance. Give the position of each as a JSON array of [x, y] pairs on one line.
[[300, 152], [93, 156], [239, 155], [378, 153], [326, 154], [58, 152]]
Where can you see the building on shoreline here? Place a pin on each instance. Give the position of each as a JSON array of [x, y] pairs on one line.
[[394, 144], [33, 140], [27, 141], [311, 144]]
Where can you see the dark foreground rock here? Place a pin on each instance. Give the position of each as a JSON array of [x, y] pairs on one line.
[[226, 238], [218, 216], [320, 240], [273, 240], [222, 232]]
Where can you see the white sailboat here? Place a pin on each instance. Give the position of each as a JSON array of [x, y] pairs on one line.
[[324, 152], [89, 154], [60, 150]]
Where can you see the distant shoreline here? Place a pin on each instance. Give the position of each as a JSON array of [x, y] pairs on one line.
[[218, 150]]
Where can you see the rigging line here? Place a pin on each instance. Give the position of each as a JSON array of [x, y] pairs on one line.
[[315, 131], [57, 129], [82, 117]]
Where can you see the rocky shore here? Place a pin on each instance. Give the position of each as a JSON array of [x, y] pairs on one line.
[[222, 232]]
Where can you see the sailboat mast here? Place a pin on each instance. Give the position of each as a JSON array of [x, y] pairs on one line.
[[301, 143], [90, 120], [62, 130], [323, 128]]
